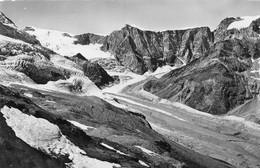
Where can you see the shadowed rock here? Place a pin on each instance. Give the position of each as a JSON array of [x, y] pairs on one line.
[[92, 70]]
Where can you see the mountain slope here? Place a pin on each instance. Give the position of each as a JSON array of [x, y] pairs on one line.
[[9, 29], [220, 81]]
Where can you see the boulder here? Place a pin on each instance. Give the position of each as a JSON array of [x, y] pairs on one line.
[[92, 70]]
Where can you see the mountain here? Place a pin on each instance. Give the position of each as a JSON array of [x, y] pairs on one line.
[[239, 27], [57, 111], [141, 51], [223, 78], [214, 84]]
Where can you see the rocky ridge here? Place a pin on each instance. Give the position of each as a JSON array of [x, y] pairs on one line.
[[9, 29], [141, 51]]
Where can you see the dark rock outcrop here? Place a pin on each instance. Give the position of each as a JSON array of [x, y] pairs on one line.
[[146, 50], [88, 38], [92, 70]]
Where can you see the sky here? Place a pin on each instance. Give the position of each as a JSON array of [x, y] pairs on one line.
[[104, 16]]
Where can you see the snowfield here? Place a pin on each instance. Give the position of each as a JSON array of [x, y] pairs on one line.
[[47, 137], [63, 44], [243, 23]]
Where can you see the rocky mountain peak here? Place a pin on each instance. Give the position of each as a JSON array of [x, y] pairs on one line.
[[129, 27], [9, 29], [5, 20]]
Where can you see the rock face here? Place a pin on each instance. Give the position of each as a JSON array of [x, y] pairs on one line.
[[92, 70], [214, 84], [146, 50], [9, 29]]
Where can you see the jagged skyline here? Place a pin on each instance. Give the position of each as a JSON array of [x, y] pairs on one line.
[[104, 16]]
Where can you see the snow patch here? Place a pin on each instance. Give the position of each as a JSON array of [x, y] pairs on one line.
[[50, 101], [83, 127], [142, 163], [160, 71], [47, 137], [111, 148], [243, 23], [28, 95], [146, 150]]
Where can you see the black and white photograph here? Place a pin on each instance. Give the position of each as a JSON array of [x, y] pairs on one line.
[[129, 83]]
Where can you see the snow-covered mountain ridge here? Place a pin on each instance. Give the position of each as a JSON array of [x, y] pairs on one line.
[[64, 43]]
